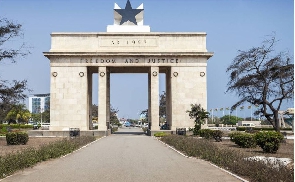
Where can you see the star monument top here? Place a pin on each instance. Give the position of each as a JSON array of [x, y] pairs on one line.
[[128, 19]]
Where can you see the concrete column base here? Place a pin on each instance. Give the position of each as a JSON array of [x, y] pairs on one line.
[[102, 132]]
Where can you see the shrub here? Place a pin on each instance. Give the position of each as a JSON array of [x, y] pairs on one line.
[[233, 135], [16, 126], [3, 130], [16, 138], [286, 129], [244, 140], [269, 141], [160, 134], [114, 129], [29, 157], [217, 135], [22, 138], [231, 160], [11, 138], [264, 129], [243, 128], [206, 133]]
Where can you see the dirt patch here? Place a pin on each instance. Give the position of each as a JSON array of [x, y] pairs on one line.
[[286, 149], [34, 142]]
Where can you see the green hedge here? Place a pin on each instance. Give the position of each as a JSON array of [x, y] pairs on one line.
[[208, 134], [286, 129], [17, 138], [205, 133], [244, 140], [29, 157], [269, 141], [17, 126], [254, 128], [260, 129], [22, 138], [160, 134], [11, 138]]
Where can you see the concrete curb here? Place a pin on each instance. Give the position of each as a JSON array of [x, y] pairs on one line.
[[230, 173]]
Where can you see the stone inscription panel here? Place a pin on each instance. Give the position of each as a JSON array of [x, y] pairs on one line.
[[128, 61], [128, 42]]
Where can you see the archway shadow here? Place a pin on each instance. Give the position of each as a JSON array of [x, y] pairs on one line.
[[128, 133]]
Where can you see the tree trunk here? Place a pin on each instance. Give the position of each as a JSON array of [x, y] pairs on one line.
[[277, 121]]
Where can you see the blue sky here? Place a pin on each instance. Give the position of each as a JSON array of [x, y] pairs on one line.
[[231, 25]]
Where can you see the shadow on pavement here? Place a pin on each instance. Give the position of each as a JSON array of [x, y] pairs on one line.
[[128, 133]]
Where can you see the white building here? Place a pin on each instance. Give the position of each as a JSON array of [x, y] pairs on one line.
[[249, 123], [39, 103]]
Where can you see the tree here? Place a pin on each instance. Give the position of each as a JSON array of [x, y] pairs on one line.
[[262, 79], [46, 113], [133, 121], [94, 110], [19, 113], [145, 113], [199, 114], [113, 116], [230, 120], [10, 92], [36, 117], [162, 108], [162, 105]]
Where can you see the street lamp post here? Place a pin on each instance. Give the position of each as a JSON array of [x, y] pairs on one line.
[[41, 109], [41, 116]]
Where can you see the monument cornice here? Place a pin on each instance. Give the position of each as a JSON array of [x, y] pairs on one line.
[[85, 54], [127, 33]]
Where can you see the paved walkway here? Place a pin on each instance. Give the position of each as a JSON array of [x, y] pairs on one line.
[[123, 157]]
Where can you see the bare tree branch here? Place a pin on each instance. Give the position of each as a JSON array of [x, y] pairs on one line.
[[259, 78]]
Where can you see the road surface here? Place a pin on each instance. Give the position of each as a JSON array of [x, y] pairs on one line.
[[123, 157]]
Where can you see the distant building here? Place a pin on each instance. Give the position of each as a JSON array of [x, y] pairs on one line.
[[249, 123], [39, 103], [122, 120]]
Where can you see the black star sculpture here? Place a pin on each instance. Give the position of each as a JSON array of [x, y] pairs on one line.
[[128, 13]]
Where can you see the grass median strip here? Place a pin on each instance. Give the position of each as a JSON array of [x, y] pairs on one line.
[[29, 157], [229, 159]]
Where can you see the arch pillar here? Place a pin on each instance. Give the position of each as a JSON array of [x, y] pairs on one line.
[[103, 98], [168, 98], [153, 88]]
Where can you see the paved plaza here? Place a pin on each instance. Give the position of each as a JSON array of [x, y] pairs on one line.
[[126, 157]]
